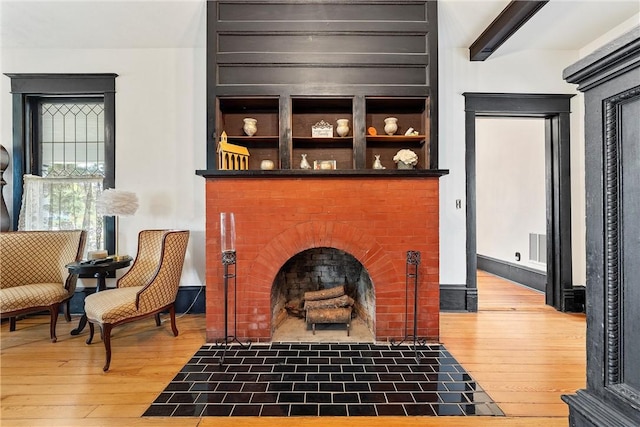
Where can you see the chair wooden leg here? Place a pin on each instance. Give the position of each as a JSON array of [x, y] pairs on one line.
[[106, 338], [12, 324], [54, 320], [67, 310], [157, 316], [172, 314], [92, 330]]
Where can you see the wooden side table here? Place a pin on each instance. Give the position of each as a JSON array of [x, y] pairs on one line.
[[99, 269]]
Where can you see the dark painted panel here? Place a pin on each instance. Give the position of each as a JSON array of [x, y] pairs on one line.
[[488, 104], [630, 223], [314, 74], [322, 43], [316, 89], [62, 84], [282, 59], [262, 11], [610, 78], [317, 27], [325, 48]]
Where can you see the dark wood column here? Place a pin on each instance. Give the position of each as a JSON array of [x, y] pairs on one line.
[[610, 80]]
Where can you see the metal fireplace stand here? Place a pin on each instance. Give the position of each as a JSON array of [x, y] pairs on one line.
[[228, 260], [411, 276]]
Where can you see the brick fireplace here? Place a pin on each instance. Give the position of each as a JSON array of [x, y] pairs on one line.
[[374, 219]]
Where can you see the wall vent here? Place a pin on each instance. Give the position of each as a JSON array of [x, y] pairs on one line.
[[538, 248]]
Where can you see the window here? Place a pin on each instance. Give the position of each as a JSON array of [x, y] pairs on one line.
[[64, 153]]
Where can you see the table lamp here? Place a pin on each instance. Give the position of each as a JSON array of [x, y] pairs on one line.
[[116, 203]]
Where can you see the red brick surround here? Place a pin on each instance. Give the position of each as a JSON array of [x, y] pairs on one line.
[[376, 220]]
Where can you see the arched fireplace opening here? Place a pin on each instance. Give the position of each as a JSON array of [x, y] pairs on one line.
[[319, 269]]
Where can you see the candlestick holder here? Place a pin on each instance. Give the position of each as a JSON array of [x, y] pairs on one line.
[[228, 245]]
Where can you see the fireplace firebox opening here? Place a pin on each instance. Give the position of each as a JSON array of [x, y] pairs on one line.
[[318, 269]]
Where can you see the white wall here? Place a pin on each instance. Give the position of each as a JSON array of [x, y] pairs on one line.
[[161, 123], [530, 71], [510, 187], [160, 133], [522, 72]]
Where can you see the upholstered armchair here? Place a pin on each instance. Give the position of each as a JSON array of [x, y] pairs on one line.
[[148, 288], [33, 276]]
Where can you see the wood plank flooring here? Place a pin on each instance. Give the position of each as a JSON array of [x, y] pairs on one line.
[[524, 354]]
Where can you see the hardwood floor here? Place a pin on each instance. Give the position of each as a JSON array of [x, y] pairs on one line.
[[524, 354]]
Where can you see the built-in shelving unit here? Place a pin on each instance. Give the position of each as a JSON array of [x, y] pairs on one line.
[[285, 133], [290, 64]]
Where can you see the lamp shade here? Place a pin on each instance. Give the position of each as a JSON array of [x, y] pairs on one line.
[[117, 202]]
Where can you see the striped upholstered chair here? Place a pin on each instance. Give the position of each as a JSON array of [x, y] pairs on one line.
[[148, 288]]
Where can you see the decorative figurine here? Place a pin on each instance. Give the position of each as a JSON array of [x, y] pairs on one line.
[[304, 164], [377, 164]]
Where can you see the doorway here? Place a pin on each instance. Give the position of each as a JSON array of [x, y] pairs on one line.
[[554, 109], [511, 199]]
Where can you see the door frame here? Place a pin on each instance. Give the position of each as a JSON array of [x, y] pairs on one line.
[[555, 109]]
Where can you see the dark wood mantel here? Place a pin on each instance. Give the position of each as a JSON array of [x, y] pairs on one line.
[[298, 173]]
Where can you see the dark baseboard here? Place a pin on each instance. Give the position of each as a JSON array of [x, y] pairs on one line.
[[516, 273], [458, 298], [575, 299], [191, 298]]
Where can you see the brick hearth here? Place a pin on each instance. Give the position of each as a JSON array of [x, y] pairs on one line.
[[376, 220]]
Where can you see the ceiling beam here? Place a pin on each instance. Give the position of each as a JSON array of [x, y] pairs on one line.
[[504, 26]]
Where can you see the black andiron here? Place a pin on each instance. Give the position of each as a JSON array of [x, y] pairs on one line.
[[411, 276]]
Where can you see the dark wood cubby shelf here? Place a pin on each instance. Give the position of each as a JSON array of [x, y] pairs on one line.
[[287, 126]]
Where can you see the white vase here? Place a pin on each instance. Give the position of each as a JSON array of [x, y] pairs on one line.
[[390, 125], [250, 126], [267, 165], [343, 127], [304, 164]]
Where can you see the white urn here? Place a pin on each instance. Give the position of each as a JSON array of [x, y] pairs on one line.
[[250, 126], [390, 125], [343, 127]]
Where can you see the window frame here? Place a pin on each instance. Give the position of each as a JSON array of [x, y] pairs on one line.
[[27, 90]]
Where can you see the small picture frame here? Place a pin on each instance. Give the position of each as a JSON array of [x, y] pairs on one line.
[[324, 165], [322, 129]]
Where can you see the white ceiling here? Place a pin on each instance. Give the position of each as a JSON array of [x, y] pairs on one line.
[[102, 24], [561, 24]]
